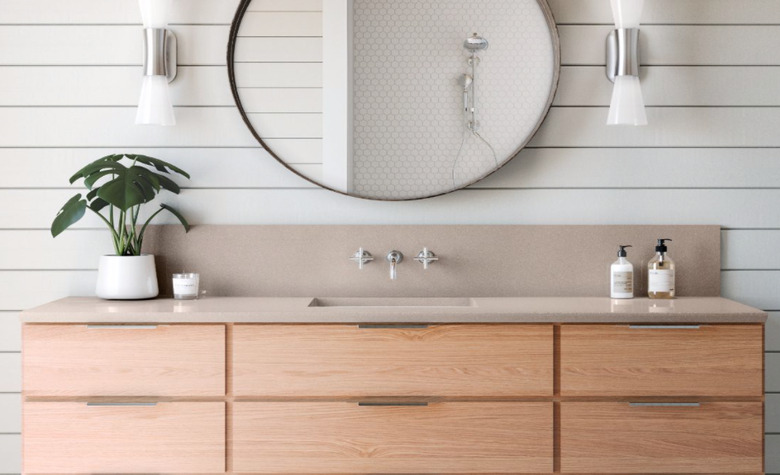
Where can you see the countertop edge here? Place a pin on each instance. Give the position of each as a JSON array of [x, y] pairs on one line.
[[291, 311]]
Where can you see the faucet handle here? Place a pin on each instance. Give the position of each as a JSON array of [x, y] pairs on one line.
[[426, 257], [362, 257]]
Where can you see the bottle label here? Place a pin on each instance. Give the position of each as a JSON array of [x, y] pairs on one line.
[[660, 280], [622, 282]]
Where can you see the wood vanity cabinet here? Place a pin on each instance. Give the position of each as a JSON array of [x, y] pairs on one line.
[[373, 399]]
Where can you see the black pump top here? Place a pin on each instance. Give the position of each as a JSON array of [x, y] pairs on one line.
[[661, 247], [622, 251]]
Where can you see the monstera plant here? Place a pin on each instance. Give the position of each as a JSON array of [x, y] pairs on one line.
[[116, 193]]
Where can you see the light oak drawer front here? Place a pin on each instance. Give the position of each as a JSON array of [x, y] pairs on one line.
[[350, 361], [340, 437], [174, 437], [718, 437], [124, 360], [623, 360]]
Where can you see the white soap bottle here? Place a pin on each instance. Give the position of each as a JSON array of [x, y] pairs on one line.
[[621, 282]]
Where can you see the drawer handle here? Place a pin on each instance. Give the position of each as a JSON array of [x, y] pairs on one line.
[[389, 327], [393, 404], [664, 327], [664, 404], [121, 327], [121, 404]]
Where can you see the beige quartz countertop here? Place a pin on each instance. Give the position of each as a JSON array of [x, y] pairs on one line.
[[402, 310]]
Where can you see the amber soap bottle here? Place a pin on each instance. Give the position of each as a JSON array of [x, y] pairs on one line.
[[660, 273]]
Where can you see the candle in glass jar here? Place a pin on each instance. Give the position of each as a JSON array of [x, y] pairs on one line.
[[185, 286]]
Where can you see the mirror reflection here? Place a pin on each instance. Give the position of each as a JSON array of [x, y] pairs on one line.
[[394, 100]]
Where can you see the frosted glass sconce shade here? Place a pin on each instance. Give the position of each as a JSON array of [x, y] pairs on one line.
[[627, 106], [627, 13], [155, 106]]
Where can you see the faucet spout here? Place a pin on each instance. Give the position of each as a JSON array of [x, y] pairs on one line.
[[394, 258]]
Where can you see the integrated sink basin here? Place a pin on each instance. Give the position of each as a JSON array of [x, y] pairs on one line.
[[392, 302]]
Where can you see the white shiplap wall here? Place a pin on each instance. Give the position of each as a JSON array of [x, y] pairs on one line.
[[69, 77]]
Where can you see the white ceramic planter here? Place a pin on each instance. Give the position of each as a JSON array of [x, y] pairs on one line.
[[127, 277]]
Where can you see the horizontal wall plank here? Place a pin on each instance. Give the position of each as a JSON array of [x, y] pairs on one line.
[[278, 75], [564, 127], [533, 168], [618, 168], [668, 127], [210, 11], [660, 45], [279, 24], [285, 5], [38, 250], [672, 11], [11, 330], [772, 416], [83, 12], [205, 45], [11, 369], [728, 208], [238, 167], [772, 370], [10, 453], [20, 290], [276, 100], [676, 86], [772, 453], [287, 126], [106, 45], [286, 50], [108, 86], [115, 127], [751, 249], [773, 332], [208, 86], [10, 413], [756, 288]]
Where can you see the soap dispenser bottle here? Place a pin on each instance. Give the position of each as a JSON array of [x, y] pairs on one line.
[[660, 273], [621, 281]]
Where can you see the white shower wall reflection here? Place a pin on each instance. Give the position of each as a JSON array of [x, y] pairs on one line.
[[389, 122]]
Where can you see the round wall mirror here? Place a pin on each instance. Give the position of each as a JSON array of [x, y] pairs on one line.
[[393, 100]]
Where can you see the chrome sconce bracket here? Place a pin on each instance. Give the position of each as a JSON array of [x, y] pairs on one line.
[[160, 50], [623, 53]]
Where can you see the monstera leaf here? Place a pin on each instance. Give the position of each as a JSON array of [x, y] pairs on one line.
[[73, 211], [121, 191]]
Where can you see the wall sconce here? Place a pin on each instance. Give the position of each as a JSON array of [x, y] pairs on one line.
[[155, 106], [627, 106]]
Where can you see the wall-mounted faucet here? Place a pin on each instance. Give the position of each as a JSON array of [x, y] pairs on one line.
[[426, 257], [362, 257], [394, 258]]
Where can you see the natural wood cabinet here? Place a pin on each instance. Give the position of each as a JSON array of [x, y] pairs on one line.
[[74, 437], [124, 360], [445, 398], [662, 360], [354, 361], [340, 437], [620, 437]]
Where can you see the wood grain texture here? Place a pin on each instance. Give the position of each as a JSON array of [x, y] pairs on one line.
[[339, 437], [613, 437], [616, 360], [176, 437], [170, 360], [347, 361]]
